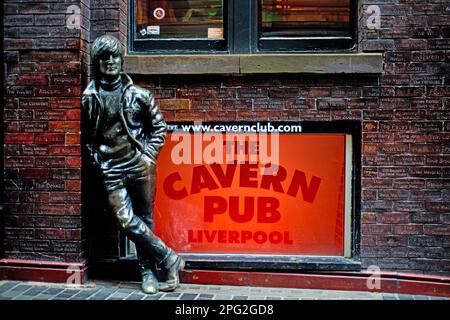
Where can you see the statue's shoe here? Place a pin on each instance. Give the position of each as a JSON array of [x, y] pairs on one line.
[[173, 278], [149, 282]]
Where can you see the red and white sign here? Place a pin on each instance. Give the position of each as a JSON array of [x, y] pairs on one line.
[[235, 208]]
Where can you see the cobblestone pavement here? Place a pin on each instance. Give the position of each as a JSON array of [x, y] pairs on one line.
[[110, 290]]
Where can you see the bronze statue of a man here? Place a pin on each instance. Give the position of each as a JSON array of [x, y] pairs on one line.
[[123, 131]]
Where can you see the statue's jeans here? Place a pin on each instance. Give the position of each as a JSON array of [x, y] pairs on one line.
[[131, 189]]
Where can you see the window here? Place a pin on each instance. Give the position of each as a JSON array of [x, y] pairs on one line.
[[239, 26]]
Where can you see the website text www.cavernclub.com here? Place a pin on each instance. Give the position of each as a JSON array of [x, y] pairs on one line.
[[257, 127], [250, 142]]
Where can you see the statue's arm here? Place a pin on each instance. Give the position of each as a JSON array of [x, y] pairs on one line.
[[157, 135], [86, 132]]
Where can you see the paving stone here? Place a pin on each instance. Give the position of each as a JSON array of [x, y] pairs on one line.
[[84, 294], [222, 297], [6, 285], [103, 294], [135, 296], [173, 294], [43, 297], [114, 290], [240, 298], [53, 291], [34, 291], [188, 296], [156, 296], [256, 297], [390, 297]]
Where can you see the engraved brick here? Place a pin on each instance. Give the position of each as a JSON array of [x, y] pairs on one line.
[[392, 172], [51, 162], [65, 174], [395, 148]]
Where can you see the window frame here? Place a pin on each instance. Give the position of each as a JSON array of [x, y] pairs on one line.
[[242, 29], [171, 46]]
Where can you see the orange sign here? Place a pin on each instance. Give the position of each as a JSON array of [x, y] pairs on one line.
[[237, 207]]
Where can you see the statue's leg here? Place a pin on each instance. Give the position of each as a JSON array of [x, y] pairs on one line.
[[142, 196], [141, 184]]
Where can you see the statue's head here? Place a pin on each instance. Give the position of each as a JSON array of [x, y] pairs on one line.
[[107, 54]]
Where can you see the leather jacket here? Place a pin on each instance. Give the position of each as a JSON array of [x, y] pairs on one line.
[[140, 116]]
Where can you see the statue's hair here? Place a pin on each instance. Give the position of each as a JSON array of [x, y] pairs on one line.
[[105, 45]]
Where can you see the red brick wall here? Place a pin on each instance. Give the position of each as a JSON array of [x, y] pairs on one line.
[[41, 111], [404, 114]]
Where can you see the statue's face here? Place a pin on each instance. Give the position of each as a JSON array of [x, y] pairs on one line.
[[111, 66]]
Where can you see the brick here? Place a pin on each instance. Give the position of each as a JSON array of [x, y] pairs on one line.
[[407, 114], [437, 230], [58, 91], [64, 126], [49, 185], [410, 44], [397, 56], [300, 103], [34, 80], [34, 8], [49, 138], [73, 80], [50, 19], [392, 172], [370, 149], [65, 150], [429, 172], [392, 241], [368, 229], [439, 44], [72, 138], [73, 185], [50, 115], [34, 126], [73, 162], [65, 197], [65, 103], [442, 207], [18, 91], [395, 195], [424, 241], [65, 174], [409, 91], [425, 148], [58, 209], [378, 45], [408, 229], [12, 138], [393, 218], [47, 234], [34, 173], [50, 162], [175, 104], [394, 126], [408, 206], [395, 148]]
